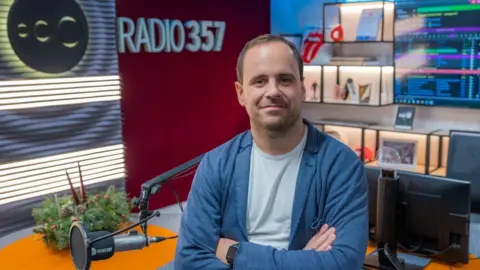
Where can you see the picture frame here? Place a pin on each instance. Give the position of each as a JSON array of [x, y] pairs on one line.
[[398, 154], [404, 118]]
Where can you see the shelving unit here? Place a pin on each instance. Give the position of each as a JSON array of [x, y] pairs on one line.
[[427, 155], [443, 143], [359, 72], [352, 134], [364, 139], [443, 139], [348, 16], [313, 76]]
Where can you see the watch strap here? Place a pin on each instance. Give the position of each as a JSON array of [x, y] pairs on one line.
[[231, 253]]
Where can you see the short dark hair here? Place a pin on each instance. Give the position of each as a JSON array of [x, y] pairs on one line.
[[267, 38]]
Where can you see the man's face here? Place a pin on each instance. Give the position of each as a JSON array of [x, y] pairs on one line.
[[272, 91]]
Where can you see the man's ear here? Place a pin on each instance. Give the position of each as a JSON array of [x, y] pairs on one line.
[[240, 93], [304, 91]]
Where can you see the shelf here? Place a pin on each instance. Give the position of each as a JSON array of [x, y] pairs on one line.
[[446, 132], [350, 65], [419, 168], [430, 150], [442, 133], [336, 102], [420, 131], [330, 122], [348, 16], [360, 42], [370, 86], [439, 172]]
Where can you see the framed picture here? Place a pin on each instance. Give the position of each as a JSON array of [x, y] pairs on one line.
[[405, 116], [397, 154]]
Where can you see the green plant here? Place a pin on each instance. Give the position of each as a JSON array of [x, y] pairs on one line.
[[104, 211]]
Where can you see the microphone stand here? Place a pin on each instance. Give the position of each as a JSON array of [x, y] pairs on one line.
[[153, 186], [106, 244]]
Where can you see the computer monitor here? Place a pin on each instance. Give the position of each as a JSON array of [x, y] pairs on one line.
[[464, 161], [431, 216], [434, 63], [372, 174]]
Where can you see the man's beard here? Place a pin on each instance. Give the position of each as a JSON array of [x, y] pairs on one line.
[[283, 125]]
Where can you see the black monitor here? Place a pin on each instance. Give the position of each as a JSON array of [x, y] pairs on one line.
[[372, 174], [421, 214], [464, 161]]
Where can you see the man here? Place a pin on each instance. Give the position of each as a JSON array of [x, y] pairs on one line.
[[282, 195]]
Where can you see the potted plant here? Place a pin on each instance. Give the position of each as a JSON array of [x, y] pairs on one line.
[[104, 211]]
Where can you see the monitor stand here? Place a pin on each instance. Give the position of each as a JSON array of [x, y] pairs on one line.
[[372, 261]]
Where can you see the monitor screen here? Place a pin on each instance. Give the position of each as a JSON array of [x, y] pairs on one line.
[[437, 52]]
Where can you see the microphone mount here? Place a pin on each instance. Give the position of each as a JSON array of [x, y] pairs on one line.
[[86, 247], [153, 186]]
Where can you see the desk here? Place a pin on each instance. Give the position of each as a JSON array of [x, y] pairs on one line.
[[435, 265], [31, 253]]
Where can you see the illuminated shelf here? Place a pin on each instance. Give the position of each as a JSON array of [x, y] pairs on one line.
[[427, 150], [442, 171], [353, 134], [336, 85], [420, 131], [443, 142], [330, 122], [419, 168], [354, 65], [348, 16], [361, 42], [364, 139]]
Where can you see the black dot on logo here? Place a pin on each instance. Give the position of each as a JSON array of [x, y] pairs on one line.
[[50, 36]]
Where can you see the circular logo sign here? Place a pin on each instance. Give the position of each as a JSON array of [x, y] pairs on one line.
[[50, 36]]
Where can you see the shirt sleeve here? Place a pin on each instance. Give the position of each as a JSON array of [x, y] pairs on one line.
[[200, 225], [346, 209]]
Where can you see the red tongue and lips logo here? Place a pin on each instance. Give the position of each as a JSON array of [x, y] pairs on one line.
[[315, 41], [311, 46]]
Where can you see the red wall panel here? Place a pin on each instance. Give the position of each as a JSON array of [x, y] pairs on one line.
[[178, 105]]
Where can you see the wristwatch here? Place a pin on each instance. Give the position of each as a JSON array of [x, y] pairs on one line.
[[232, 251]]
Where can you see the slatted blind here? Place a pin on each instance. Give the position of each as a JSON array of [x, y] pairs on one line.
[[51, 121]]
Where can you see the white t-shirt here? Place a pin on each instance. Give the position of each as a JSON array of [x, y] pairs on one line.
[[270, 196]]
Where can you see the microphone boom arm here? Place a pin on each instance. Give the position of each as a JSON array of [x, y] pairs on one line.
[[153, 186], [86, 247]]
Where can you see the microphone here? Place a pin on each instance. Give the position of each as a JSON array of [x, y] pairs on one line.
[[86, 247]]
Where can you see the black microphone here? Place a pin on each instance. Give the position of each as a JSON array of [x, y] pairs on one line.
[[86, 247]]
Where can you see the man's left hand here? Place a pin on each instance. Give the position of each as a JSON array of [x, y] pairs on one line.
[[222, 249]]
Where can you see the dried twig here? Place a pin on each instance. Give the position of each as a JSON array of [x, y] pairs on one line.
[[82, 186], [74, 193]]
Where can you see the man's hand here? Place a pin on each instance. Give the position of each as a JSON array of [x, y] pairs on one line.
[[322, 240], [222, 249]]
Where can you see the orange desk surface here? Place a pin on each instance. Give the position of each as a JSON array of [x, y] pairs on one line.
[[30, 253], [434, 265]]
